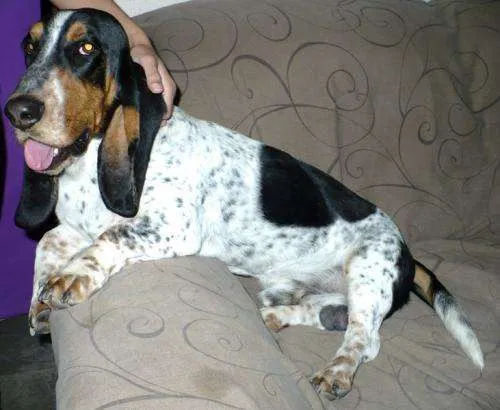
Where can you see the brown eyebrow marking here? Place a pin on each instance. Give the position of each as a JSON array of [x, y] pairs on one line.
[[36, 31], [76, 31]]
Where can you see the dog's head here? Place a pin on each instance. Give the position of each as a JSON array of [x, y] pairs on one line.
[[80, 84]]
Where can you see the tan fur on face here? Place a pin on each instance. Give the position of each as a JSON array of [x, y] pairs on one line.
[[36, 31], [51, 128], [71, 108], [76, 32], [84, 105]]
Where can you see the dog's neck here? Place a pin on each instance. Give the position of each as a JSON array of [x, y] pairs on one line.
[[83, 165], [76, 183]]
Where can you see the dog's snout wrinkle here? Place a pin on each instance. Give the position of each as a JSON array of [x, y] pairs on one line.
[[24, 111]]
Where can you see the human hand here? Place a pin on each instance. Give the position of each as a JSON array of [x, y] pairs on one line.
[[157, 75]]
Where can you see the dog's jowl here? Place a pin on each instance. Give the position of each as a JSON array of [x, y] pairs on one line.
[[90, 129]]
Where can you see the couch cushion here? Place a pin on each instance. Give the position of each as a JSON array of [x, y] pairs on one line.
[[177, 334]]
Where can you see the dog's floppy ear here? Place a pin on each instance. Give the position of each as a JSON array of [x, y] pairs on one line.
[[38, 199], [133, 120]]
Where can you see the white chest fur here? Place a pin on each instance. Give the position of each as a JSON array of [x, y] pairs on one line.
[[79, 203]]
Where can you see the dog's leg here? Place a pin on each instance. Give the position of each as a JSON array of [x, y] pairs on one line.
[[133, 240], [281, 293], [327, 311], [367, 309], [55, 250]]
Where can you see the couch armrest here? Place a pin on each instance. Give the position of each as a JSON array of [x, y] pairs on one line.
[[179, 333]]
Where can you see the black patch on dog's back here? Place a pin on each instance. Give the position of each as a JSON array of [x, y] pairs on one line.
[[297, 194]]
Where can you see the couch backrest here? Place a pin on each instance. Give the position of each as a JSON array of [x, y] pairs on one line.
[[398, 100]]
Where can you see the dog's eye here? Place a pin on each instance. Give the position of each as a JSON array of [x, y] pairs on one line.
[[86, 49], [29, 48]]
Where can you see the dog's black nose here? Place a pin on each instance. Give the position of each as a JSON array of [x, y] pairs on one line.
[[23, 112]]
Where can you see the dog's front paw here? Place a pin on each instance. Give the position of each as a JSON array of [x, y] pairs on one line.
[[334, 385], [274, 318], [61, 291]]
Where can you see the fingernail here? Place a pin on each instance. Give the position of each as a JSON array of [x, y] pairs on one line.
[[156, 88]]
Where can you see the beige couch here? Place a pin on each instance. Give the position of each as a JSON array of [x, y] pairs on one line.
[[400, 100]]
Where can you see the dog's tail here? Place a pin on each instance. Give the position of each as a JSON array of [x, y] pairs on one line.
[[427, 286]]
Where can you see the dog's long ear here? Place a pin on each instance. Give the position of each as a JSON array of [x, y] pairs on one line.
[[133, 120], [38, 199]]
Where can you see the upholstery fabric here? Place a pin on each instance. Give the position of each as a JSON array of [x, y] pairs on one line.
[[173, 334], [399, 100]]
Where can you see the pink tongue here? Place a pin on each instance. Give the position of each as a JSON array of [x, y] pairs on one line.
[[38, 156]]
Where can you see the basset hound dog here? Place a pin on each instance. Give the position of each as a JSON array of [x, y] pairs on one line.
[[126, 189]]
